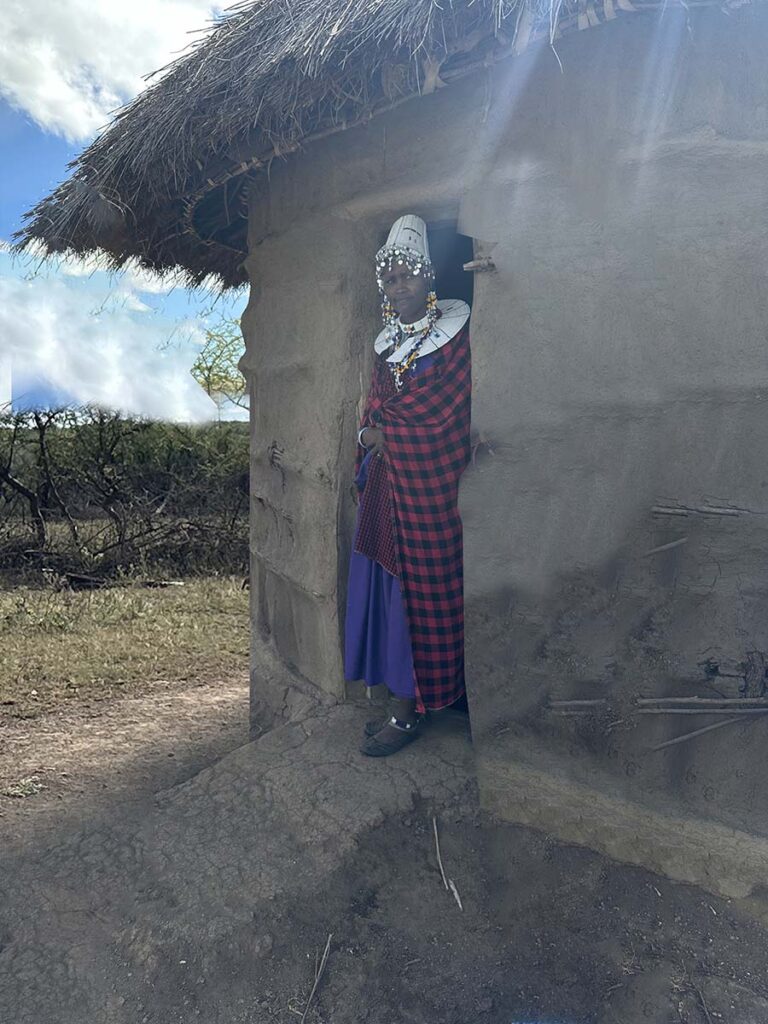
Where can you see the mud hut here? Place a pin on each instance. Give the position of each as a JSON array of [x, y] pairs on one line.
[[600, 169]]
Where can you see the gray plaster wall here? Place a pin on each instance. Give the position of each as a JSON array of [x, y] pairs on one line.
[[619, 366], [304, 367]]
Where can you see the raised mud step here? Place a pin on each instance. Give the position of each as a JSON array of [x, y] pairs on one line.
[[98, 909]]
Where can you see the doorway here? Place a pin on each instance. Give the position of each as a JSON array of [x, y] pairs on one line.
[[450, 251]]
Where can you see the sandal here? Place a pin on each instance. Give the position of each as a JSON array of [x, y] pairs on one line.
[[374, 725], [375, 746]]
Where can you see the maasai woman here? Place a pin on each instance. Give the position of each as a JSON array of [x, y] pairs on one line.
[[405, 611]]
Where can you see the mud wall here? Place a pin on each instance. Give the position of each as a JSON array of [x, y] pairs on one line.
[[614, 518], [302, 365]]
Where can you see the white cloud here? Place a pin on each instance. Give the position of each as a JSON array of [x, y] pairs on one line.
[[132, 276], [101, 347], [35, 261], [5, 381], [69, 63]]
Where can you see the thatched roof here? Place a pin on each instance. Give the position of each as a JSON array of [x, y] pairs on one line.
[[167, 182]]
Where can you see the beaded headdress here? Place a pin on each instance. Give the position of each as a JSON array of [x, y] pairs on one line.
[[407, 245]]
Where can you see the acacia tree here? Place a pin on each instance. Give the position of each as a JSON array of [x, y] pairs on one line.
[[100, 492], [216, 369], [13, 429]]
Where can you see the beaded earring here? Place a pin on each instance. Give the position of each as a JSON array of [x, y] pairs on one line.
[[388, 312]]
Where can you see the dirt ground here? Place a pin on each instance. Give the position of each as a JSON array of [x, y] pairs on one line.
[[96, 751], [546, 933]]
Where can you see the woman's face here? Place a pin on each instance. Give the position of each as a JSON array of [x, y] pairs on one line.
[[406, 291]]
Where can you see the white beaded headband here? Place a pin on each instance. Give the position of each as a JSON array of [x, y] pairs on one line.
[[402, 255]]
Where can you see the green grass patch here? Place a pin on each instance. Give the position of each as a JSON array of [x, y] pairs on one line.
[[59, 646]]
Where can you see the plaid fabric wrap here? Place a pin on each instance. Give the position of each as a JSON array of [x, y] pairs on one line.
[[375, 522], [411, 510]]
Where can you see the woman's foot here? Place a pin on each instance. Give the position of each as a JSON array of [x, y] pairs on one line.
[[394, 735], [401, 708], [374, 725]]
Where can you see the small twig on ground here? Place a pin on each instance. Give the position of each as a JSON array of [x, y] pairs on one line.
[[455, 892], [703, 1003], [318, 975], [437, 850], [449, 883]]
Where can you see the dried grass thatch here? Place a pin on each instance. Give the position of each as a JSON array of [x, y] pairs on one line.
[[166, 183]]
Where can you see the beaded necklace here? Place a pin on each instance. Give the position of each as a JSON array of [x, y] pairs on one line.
[[400, 368], [420, 330]]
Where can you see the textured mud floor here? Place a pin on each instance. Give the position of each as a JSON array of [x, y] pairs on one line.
[[545, 933], [86, 757], [548, 935]]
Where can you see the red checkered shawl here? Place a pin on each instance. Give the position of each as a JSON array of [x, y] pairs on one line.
[[409, 521]]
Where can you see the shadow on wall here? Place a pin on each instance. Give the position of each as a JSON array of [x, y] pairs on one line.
[[601, 680]]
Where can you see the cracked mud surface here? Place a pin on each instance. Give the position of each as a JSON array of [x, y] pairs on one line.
[[212, 899]]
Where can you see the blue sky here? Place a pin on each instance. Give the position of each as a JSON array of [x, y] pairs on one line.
[[71, 331]]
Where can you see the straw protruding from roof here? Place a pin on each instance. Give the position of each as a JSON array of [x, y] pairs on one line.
[[166, 183]]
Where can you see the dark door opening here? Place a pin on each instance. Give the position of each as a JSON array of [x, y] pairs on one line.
[[450, 251]]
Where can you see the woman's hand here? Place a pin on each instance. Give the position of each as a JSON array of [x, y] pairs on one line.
[[373, 440]]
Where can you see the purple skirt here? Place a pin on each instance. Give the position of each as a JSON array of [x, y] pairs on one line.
[[377, 642]]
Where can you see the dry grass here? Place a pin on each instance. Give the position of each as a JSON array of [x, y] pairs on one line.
[[62, 646]]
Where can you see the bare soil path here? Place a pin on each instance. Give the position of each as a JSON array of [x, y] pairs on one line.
[[95, 753]]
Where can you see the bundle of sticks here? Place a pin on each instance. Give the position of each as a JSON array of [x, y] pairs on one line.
[[733, 708]]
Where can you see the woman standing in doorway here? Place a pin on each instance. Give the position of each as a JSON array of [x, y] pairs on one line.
[[405, 609]]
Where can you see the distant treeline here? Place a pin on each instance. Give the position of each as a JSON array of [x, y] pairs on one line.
[[86, 490]]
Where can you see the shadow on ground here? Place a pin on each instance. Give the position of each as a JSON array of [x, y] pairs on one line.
[[214, 902]]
